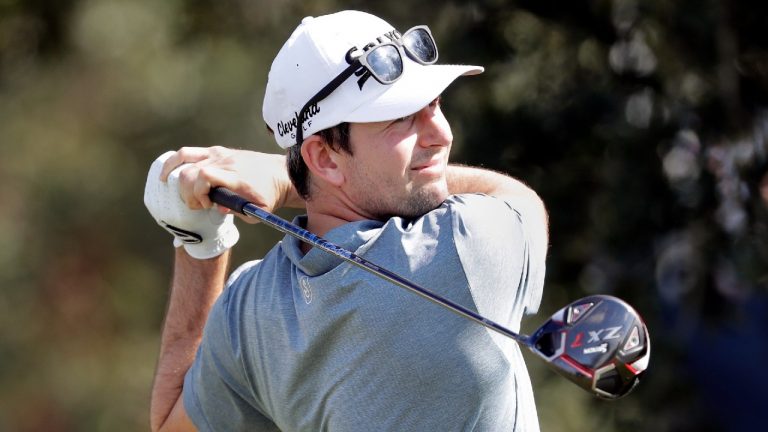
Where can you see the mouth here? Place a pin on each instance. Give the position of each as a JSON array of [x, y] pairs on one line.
[[432, 167], [426, 165], [429, 161]]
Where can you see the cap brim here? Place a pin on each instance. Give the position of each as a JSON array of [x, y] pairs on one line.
[[418, 86]]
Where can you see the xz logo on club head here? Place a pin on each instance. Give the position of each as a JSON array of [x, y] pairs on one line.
[[597, 336], [611, 333]]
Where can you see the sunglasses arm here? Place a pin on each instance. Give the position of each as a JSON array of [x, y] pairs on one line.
[[322, 94]]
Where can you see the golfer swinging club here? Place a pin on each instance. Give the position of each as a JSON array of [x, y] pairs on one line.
[[302, 341]]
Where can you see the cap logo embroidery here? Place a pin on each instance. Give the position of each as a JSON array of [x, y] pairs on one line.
[[289, 126]]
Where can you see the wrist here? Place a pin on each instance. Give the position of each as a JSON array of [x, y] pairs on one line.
[[196, 286], [225, 237], [204, 233]]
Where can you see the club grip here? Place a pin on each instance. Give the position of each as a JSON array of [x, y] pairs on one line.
[[225, 197]]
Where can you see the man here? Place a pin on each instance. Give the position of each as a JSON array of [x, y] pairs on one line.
[[300, 341]]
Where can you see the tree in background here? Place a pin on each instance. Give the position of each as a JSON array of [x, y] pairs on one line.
[[643, 125]]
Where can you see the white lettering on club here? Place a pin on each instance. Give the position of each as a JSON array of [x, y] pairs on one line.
[[602, 348], [611, 333]]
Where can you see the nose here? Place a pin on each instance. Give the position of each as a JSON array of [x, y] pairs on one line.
[[434, 129]]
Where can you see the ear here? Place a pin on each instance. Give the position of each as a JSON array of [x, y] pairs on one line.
[[323, 162]]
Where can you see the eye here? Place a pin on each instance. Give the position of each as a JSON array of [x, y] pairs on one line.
[[404, 119]]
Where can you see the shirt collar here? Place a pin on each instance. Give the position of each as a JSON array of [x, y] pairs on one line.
[[349, 236]]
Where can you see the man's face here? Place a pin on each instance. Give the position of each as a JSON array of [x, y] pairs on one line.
[[398, 167]]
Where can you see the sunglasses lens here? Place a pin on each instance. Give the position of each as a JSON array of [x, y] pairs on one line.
[[420, 44], [385, 62]]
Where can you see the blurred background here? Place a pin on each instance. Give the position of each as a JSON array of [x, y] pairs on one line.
[[642, 124]]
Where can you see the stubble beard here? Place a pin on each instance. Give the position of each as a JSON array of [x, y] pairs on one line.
[[416, 203]]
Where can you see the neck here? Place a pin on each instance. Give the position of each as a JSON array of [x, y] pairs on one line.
[[328, 211]]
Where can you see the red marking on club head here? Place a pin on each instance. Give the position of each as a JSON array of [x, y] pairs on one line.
[[577, 342], [632, 369]]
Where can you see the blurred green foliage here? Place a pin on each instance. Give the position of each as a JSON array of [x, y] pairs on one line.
[[643, 125]]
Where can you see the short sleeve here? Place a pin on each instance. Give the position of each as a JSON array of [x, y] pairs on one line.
[[217, 394], [502, 248]]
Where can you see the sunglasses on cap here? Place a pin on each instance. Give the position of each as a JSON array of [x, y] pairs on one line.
[[383, 61]]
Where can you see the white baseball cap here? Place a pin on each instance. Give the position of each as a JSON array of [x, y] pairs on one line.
[[316, 53]]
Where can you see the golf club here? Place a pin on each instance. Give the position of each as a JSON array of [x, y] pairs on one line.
[[598, 342]]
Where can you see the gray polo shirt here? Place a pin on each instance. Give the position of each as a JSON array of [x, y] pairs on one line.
[[310, 343]]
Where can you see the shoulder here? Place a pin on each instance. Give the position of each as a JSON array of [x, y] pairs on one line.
[[479, 205], [247, 272], [480, 213], [474, 220], [236, 285], [494, 217], [480, 221], [243, 271]]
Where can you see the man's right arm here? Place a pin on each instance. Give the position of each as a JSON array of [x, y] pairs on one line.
[[196, 286], [198, 281]]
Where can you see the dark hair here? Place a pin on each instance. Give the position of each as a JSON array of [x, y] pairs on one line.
[[337, 138]]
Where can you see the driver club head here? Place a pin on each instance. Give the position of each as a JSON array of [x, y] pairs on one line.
[[598, 342]]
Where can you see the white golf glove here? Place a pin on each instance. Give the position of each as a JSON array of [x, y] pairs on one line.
[[204, 233]]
